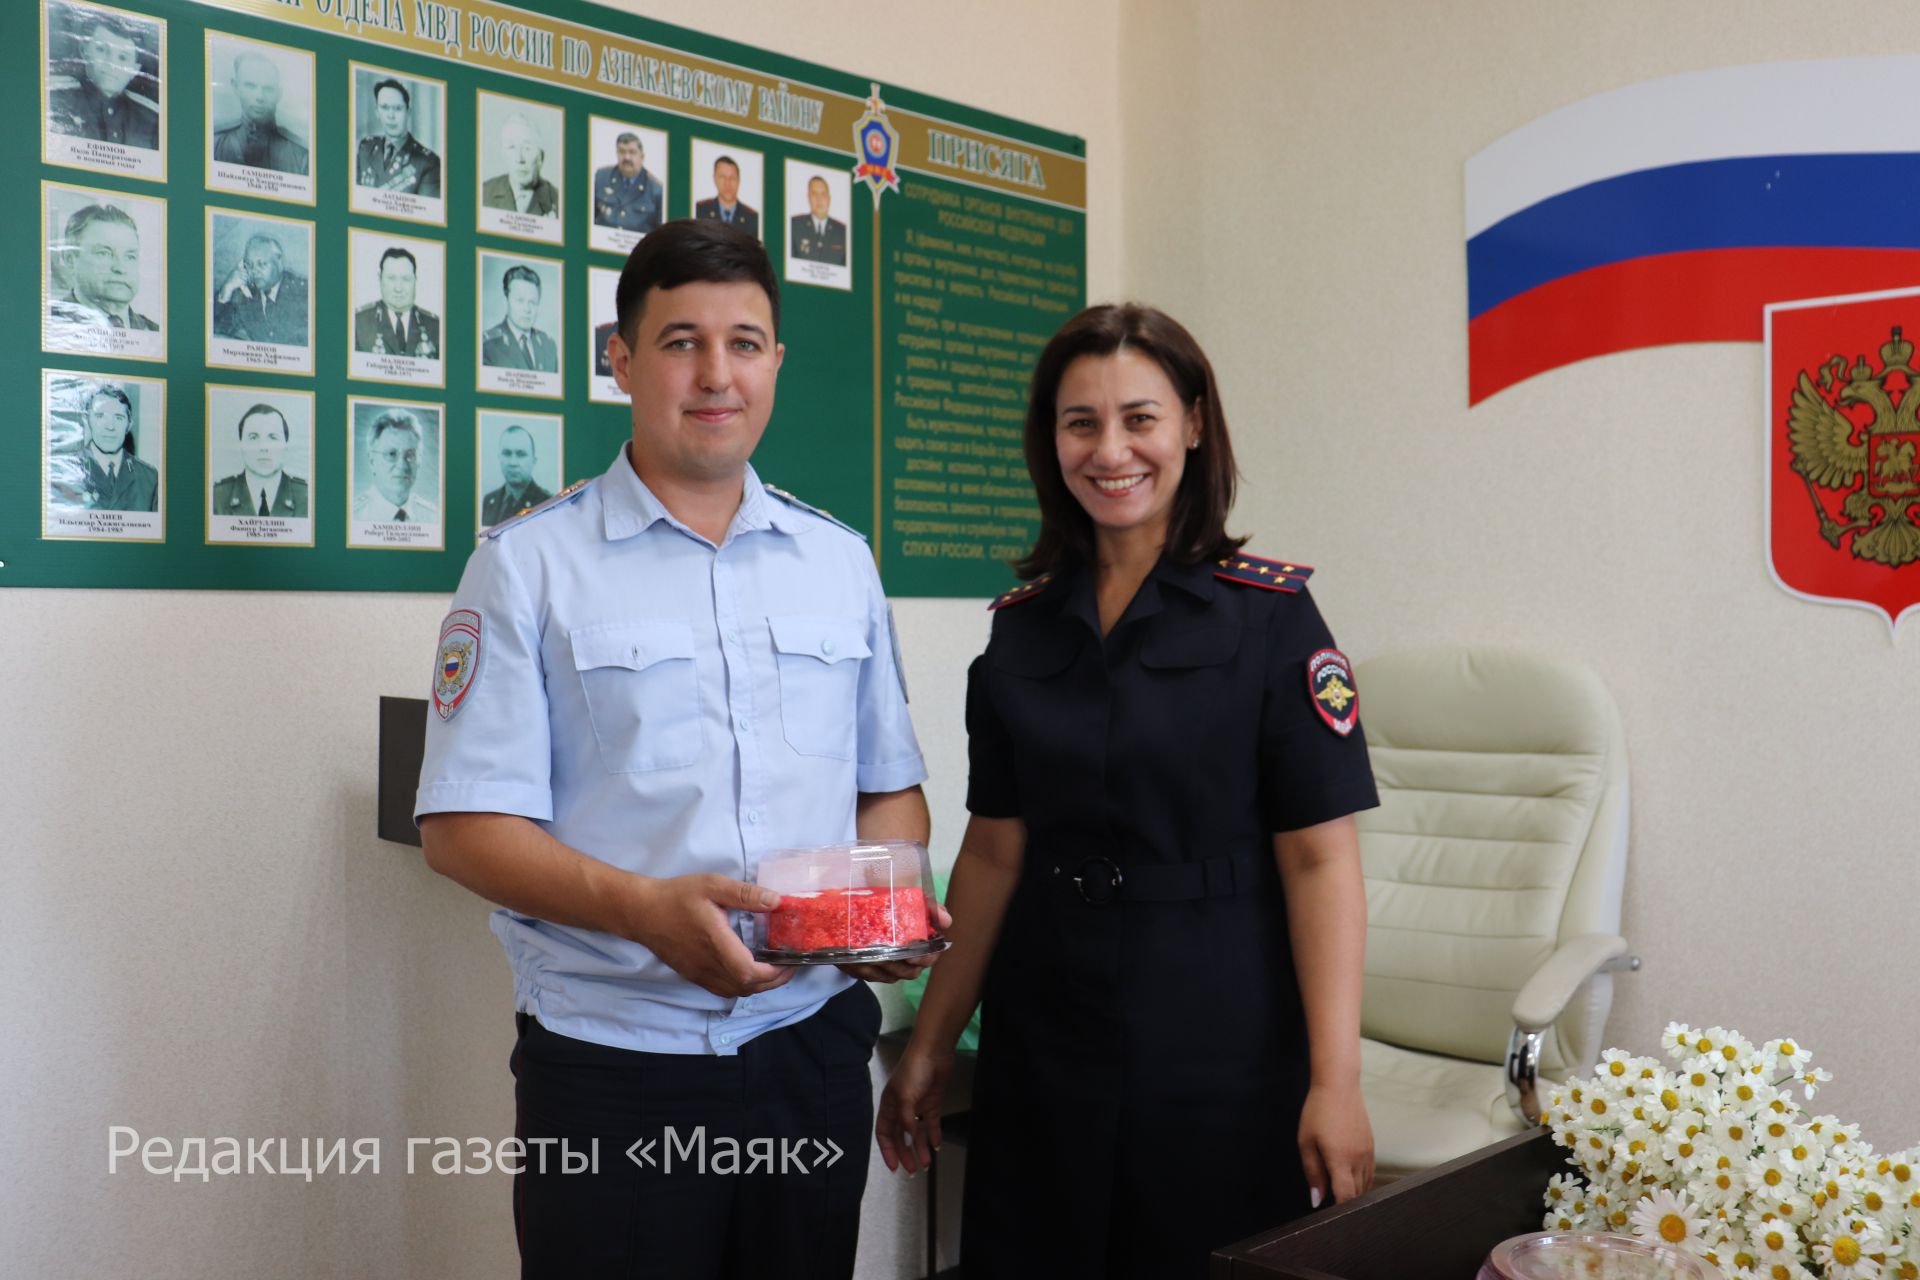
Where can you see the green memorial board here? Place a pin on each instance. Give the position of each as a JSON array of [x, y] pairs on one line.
[[325, 285]]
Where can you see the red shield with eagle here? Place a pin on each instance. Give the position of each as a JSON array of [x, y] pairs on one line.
[[1843, 450]]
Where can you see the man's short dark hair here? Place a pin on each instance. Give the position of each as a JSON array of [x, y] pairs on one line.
[[271, 242], [632, 137], [80, 219], [690, 251], [240, 427], [533, 446], [520, 271], [396, 86], [727, 160], [397, 252]]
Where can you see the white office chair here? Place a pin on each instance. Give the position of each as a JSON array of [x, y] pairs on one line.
[[1494, 867]]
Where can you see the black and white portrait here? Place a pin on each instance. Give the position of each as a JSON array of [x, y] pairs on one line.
[[397, 286], [260, 100], [105, 285], [259, 466], [520, 463], [398, 145], [520, 310], [105, 95], [394, 454], [104, 445], [521, 147], [260, 297]]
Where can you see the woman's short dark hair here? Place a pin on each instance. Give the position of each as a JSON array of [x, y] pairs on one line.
[[1197, 528], [689, 251]]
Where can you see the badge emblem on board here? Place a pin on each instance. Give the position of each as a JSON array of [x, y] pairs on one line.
[[459, 661], [1330, 681], [877, 143], [1843, 451]]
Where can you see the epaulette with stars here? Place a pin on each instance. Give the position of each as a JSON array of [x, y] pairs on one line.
[[567, 494], [808, 507], [1257, 571], [1025, 591]]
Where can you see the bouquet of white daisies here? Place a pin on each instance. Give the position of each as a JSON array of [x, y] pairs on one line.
[[1717, 1156]]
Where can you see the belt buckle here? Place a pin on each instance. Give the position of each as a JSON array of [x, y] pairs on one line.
[[1098, 891]]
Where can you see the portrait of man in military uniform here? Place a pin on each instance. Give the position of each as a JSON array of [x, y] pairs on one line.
[[629, 195], [395, 325], [726, 203], [396, 459], [260, 108], [260, 299], [517, 341], [603, 291], [103, 82], [520, 451], [105, 452], [819, 245], [390, 156], [262, 487], [817, 236], [106, 273]]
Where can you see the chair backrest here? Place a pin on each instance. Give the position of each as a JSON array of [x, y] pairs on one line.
[[1501, 831]]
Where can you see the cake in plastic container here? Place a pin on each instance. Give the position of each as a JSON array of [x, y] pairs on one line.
[[863, 901]]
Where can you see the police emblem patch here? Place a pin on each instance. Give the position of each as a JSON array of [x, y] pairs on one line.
[[1330, 682], [458, 663]]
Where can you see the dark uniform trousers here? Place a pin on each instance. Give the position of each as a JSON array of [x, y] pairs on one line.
[[806, 1081]]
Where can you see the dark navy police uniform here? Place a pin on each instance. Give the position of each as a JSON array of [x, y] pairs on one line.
[[1143, 1052]]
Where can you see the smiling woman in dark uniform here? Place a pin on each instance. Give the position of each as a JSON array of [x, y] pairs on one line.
[[1159, 893]]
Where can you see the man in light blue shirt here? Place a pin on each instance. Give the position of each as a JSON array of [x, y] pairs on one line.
[[647, 684]]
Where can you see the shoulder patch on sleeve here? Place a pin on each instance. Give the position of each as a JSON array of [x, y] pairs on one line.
[[1335, 697], [810, 509], [458, 663], [1025, 591], [566, 495], [1258, 571]]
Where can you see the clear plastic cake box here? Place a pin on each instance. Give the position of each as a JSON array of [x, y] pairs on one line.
[[859, 902]]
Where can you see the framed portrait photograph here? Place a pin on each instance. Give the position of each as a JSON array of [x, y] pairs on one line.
[[260, 296], [397, 290], [260, 118], [103, 455], [520, 462], [103, 88], [519, 313], [104, 286], [629, 164], [727, 185], [603, 318], [396, 483], [819, 234], [522, 150], [259, 467], [397, 145]]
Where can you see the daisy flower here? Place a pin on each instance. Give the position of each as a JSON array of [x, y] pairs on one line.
[[1770, 1240], [1847, 1253], [1810, 1081], [1617, 1063], [1678, 1039], [1790, 1054], [1666, 1218]]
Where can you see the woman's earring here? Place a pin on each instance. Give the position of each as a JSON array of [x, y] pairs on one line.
[[1193, 444]]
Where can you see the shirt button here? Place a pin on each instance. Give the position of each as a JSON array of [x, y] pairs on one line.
[[826, 646], [636, 653], [746, 725], [753, 817], [726, 1039]]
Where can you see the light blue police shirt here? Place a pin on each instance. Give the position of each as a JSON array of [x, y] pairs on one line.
[[669, 707]]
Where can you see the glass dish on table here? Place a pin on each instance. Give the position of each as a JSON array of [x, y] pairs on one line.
[[1573, 1255]]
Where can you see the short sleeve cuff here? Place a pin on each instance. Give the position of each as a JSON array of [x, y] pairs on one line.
[[988, 802], [896, 775], [484, 797], [1336, 798]]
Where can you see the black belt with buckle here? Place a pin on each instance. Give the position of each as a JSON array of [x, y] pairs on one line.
[[1101, 881]]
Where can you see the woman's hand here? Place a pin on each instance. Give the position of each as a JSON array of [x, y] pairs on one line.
[[1336, 1142], [908, 1123]]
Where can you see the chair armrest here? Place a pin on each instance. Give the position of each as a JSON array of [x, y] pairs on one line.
[[1552, 985]]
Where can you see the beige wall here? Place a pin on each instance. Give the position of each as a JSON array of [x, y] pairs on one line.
[[206, 939], [1313, 239]]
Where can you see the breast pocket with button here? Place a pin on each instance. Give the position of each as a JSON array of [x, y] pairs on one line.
[[819, 659], [641, 693]]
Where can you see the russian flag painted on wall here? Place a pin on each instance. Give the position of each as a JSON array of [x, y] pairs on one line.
[[1675, 210]]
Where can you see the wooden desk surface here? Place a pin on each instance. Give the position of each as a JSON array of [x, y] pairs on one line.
[[1436, 1225]]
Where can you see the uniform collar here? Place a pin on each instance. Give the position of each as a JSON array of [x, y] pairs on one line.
[[1080, 599], [629, 507], [1194, 579]]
